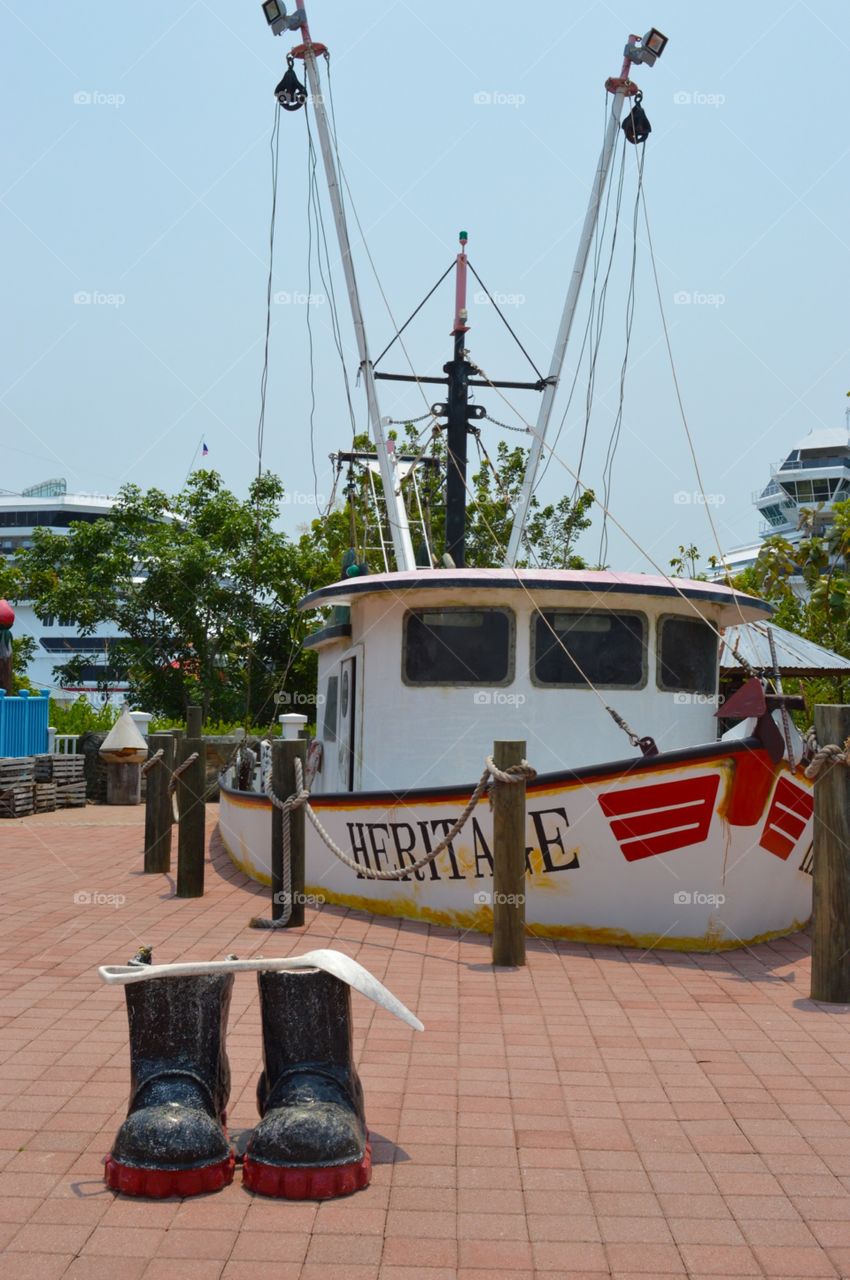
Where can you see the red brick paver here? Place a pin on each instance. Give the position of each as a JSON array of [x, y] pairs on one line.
[[600, 1113]]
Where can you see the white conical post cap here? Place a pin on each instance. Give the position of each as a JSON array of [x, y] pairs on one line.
[[124, 743]]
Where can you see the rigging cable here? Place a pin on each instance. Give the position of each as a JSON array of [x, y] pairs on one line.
[[592, 332], [274, 148], [597, 502], [274, 145], [680, 401], [506, 322], [314, 204], [412, 315], [634, 739], [310, 159], [597, 320], [346, 185], [608, 469]]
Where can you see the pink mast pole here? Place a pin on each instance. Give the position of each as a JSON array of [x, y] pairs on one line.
[[461, 312]]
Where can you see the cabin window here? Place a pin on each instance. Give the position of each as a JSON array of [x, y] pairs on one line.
[[687, 656], [329, 720], [609, 648], [458, 646]]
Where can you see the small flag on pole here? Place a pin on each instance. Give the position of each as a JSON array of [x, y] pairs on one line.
[[204, 450]]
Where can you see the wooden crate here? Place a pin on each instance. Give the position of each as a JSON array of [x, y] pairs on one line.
[[55, 768], [45, 797], [15, 769], [70, 795], [16, 800], [43, 767]]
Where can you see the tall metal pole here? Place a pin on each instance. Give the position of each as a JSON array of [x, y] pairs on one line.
[[390, 477], [623, 87], [457, 417]]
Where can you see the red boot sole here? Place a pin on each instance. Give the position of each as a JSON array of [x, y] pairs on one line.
[[157, 1184], [316, 1183]]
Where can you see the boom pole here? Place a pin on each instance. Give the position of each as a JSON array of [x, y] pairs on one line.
[[390, 476], [621, 87]]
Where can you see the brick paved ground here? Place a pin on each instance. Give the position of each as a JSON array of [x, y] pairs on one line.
[[600, 1113]]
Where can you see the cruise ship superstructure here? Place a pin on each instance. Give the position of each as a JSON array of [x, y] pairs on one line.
[[50, 505]]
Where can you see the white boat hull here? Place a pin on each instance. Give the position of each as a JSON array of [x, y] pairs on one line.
[[697, 849]]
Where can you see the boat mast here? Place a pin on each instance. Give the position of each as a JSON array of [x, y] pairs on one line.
[[457, 418], [621, 87], [387, 460]]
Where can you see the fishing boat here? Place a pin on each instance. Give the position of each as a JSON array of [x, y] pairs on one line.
[[644, 828]]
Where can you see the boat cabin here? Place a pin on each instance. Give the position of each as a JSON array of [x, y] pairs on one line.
[[419, 672]]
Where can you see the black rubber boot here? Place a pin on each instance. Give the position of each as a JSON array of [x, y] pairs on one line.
[[173, 1142], [311, 1142]]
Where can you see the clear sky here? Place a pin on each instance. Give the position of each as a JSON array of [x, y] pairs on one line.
[[136, 172]]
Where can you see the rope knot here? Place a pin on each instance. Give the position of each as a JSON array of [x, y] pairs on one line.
[[514, 772], [149, 764], [825, 756]]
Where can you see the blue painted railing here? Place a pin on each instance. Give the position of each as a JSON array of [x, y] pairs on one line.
[[23, 723]]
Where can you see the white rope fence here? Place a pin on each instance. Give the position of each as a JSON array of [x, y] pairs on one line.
[[301, 797]]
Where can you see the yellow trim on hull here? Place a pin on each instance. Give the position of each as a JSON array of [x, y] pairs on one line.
[[481, 921]]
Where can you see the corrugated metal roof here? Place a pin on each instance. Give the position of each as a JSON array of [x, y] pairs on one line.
[[795, 656]]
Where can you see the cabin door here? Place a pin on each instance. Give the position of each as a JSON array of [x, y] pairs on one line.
[[345, 738]]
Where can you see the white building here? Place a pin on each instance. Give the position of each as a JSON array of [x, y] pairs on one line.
[[815, 475], [49, 505]]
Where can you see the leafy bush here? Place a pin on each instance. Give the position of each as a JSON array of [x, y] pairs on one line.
[[80, 716]]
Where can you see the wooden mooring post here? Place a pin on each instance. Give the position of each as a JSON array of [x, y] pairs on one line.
[[831, 865], [158, 812], [508, 859], [191, 801], [284, 755]]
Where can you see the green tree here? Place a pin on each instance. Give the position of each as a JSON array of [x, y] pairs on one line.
[[809, 586], [23, 647], [493, 489], [201, 590], [685, 563], [199, 587]]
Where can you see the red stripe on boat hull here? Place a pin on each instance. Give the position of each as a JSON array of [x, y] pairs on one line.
[[661, 817]]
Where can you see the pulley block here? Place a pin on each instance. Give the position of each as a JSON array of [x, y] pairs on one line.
[[636, 126], [290, 93]]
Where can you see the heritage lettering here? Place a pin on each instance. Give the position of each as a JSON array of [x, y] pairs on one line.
[[440, 826], [479, 848], [381, 846], [553, 836]]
